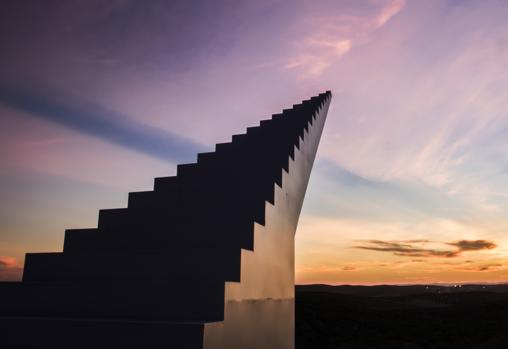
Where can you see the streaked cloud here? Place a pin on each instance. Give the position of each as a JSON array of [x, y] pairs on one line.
[[102, 123], [388, 11], [333, 36], [349, 268], [483, 267], [405, 249], [474, 245], [416, 248]]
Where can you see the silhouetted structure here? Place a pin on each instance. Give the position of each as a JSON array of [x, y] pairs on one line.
[[205, 260]]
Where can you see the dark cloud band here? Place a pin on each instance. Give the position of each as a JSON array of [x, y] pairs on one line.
[[102, 123], [410, 248]]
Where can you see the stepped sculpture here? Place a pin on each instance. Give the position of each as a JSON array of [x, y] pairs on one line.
[[205, 260]]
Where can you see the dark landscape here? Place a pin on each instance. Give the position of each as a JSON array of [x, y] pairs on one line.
[[455, 316]]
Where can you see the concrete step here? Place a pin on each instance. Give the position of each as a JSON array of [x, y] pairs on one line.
[[203, 262], [79, 333], [206, 157], [141, 200], [166, 184], [187, 169], [183, 300], [114, 218], [212, 229], [77, 240]]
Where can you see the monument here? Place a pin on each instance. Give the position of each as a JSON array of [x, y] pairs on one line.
[[205, 260]]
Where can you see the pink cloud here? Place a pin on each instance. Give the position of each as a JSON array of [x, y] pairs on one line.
[[9, 269], [332, 37], [388, 12], [416, 248]]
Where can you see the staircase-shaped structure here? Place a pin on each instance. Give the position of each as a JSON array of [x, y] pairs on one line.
[[205, 260]]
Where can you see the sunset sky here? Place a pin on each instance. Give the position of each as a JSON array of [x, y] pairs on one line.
[[411, 180]]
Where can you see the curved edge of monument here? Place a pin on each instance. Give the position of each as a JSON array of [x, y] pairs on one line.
[[177, 285], [259, 310]]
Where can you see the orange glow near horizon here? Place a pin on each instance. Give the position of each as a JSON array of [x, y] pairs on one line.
[[346, 256]]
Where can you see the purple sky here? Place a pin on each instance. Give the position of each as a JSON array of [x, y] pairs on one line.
[[97, 98]]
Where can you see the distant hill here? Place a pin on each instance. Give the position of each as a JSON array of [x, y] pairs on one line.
[[399, 290]]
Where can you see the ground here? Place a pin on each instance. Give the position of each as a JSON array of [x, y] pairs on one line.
[[398, 317]]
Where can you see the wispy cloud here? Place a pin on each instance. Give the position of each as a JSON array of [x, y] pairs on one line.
[[483, 267], [334, 36], [319, 53], [102, 123], [416, 248], [473, 245], [334, 268], [405, 249], [388, 12]]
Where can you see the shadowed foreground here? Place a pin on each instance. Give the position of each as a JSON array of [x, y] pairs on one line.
[[401, 317]]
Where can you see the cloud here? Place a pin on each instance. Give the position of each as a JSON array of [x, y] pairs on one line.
[[388, 12], [9, 269], [325, 268], [482, 267], [332, 36], [489, 267], [416, 248], [345, 193], [102, 123], [473, 245], [338, 173], [404, 249], [349, 268], [7, 262], [320, 53]]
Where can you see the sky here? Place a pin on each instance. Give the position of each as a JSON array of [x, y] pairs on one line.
[[410, 184]]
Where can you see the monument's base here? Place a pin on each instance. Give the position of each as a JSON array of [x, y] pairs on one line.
[[62, 333], [270, 325]]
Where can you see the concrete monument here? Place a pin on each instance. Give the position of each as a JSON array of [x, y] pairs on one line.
[[205, 260]]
